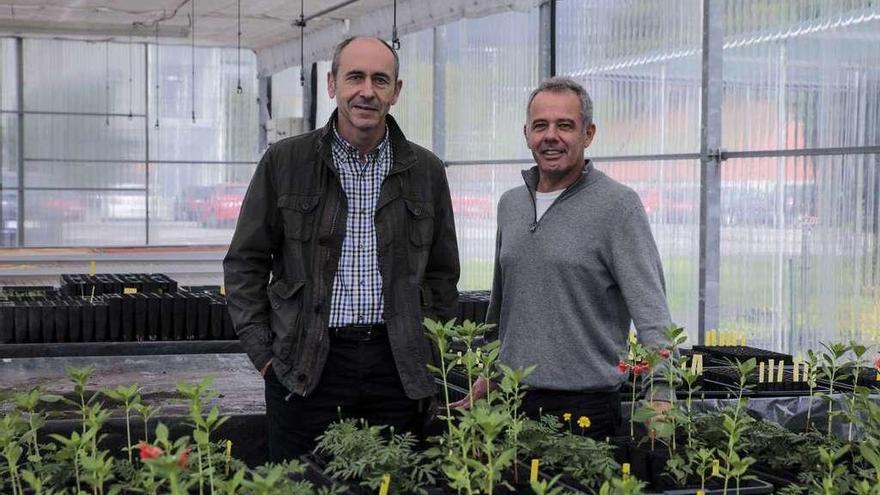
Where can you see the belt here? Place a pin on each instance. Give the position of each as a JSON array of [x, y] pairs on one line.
[[359, 333]]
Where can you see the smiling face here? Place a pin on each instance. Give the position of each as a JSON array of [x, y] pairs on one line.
[[556, 134], [365, 87]]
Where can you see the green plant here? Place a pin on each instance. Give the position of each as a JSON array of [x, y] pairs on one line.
[[129, 397], [735, 466], [812, 375], [275, 478], [830, 482], [627, 485], [358, 451], [146, 412], [858, 351], [80, 377], [28, 402], [833, 362], [11, 429], [203, 425]]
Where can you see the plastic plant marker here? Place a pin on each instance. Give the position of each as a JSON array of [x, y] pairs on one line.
[[222, 290], [770, 370], [386, 484], [129, 290], [877, 377], [761, 372], [796, 371], [716, 468], [93, 268], [699, 364], [710, 337], [779, 371], [701, 492], [533, 473], [625, 470]]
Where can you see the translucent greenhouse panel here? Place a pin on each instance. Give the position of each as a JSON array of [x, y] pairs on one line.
[[475, 191], [226, 123], [640, 62], [193, 203], [9, 149], [9, 227], [800, 261], [492, 66], [78, 137], [801, 74], [414, 110], [62, 174], [84, 218], [80, 76], [8, 69], [287, 94], [670, 193]]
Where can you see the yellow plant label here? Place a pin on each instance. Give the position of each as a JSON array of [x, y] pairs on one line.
[[716, 468], [877, 378], [710, 337], [129, 290], [795, 370], [533, 474], [771, 367], [386, 484], [93, 268], [779, 371], [625, 469], [701, 492], [228, 449], [761, 372]]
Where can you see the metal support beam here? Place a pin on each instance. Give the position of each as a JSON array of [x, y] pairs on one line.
[[710, 167], [147, 142], [438, 130], [547, 40], [19, 81], [263, 104]]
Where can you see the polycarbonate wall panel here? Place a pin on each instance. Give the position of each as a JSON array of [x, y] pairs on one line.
[[226, 122], [9, 149], [801, 74], [802, 265], [670, 193], [83, 137], [640, 62], [8, 69], [492, 65], [475, 191], [84, 218], [414, 110], [193, 203], [79, 76]]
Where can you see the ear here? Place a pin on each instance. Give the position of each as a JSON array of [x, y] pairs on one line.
[[397, 87], [331, 85], [591, 133]]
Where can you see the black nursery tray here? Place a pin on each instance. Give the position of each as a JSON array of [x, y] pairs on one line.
[[724, 355], [729, 376]]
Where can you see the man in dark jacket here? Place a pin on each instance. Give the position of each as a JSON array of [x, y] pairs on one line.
[[354, 224]]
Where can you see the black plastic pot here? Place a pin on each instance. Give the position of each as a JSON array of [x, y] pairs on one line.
[[7, 322], [47, 325], [88, 322], [101, 309], [62, 310], [166, 318]]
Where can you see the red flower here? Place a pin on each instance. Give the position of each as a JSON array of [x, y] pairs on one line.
[[664, 353], [149, 451], [623, 367], [182, 462], [640, 367], [877, 364]]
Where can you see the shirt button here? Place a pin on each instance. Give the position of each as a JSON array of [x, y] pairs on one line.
[[360, 245]]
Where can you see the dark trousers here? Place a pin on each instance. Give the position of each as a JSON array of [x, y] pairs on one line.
[[602, 409], [360, 380]]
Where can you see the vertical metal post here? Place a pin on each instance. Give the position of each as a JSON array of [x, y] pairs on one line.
[[438, 130], [547, 40], [710, 161], [263, 113], [147, 140], [19, 79]]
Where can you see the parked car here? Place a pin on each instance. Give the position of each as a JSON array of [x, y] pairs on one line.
[[222, 204]]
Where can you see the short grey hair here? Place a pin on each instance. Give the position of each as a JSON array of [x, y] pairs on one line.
[[561, 84], [337, 53]]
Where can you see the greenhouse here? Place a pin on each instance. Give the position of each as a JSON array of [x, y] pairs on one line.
[[440, 247]]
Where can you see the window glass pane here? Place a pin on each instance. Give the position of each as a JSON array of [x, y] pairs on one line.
[[800, 262], [9, 149], [196, 203], [84, 218], [491, 66], [79, 76], [801, 74], [640, 62], [9, 215], [226, 122]]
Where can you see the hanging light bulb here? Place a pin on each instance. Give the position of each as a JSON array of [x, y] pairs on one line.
[[301, 22], [238, 90], [192, 56]]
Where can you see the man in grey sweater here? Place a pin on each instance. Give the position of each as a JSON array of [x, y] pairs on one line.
[[575, 264]]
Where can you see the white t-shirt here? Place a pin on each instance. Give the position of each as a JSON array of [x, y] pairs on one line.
[[543, 200]]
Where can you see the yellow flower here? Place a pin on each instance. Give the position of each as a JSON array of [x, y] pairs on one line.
[[566, 417], [584, 422]]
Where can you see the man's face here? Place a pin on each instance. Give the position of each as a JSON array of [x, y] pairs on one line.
[[555, 133], [365, 85]]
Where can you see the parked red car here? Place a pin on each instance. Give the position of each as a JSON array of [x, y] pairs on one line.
[[222, 204]]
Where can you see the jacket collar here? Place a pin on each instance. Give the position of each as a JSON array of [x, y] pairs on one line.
[[402, 153], [531, 176]]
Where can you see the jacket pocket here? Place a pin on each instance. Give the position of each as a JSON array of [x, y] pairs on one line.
[[285, 320], [421, 220], [298, 213]]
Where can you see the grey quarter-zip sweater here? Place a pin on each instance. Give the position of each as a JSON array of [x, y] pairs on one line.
[[567, 287]]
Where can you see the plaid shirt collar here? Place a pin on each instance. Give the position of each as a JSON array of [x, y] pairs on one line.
[[351, 153]]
